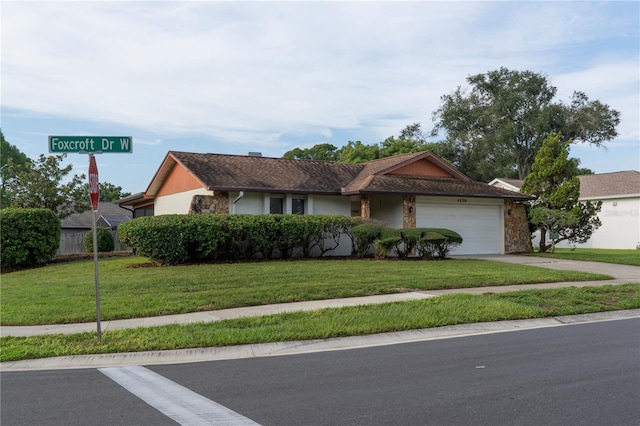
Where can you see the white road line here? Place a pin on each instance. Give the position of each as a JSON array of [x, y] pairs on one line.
[[173, 400]]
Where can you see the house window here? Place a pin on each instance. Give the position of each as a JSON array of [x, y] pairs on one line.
[[276, 206], [297, 206]]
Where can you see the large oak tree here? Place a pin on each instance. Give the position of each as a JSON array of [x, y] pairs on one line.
[[495, 127]]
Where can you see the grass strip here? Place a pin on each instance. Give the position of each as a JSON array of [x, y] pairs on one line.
[[333, 322], [64, 293]]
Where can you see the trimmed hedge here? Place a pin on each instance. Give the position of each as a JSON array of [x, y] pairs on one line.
[[427, 243], [364, 236], [172, 239], [437, 243], [28, 236], [104, 237]]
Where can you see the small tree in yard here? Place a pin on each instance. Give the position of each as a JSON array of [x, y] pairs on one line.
[[104, 238], [40, 185], [557, 211]]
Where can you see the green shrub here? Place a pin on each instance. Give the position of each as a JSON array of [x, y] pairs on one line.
[[172, 239], [28, 236], [104, 237], [401, 242], [325, 231], [160, 238], [388, 241], [364, 236], [438, 243], [428, 244]]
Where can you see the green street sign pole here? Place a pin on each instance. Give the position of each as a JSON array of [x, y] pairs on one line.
[[92, 145]]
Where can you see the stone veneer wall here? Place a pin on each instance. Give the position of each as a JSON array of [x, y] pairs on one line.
[[517, 238], [365, 207], [217, 203], [408, 211]]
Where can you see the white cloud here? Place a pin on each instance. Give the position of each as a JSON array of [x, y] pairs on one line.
[[251, 73]]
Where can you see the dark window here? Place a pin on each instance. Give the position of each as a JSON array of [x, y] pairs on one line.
[[276, 206], [297, 206]]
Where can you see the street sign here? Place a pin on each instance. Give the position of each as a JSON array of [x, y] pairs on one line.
[[94, 183], [90, 144]]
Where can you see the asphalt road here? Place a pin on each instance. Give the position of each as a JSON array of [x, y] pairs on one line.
[[584, 374]]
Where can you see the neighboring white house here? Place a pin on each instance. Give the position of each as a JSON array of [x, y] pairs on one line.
[[620, 211], [405, 191]]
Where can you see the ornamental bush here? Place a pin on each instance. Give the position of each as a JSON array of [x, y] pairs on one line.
[[426, 243], [104, 237], [364, 236], [173, 239], [439, 242], [28, 236]]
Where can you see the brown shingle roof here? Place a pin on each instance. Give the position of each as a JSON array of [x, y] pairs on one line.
[[383, 165], [221, 172], [247, 173], [610, 184], [437, 186]]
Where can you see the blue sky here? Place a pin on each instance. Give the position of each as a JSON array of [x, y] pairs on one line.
[[234, 77]]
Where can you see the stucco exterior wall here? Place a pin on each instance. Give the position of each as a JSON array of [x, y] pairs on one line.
[[387, 208], [249, 203], [177, 203], [258, 203], [620, 227], [331, 204]]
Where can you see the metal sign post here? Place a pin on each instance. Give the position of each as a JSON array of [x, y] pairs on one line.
[[92, 145], [94, 194]]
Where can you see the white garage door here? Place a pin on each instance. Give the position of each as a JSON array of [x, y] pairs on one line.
[[478, 224]]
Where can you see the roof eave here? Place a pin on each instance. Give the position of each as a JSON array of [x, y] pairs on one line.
[[272, 190], [443, 194]]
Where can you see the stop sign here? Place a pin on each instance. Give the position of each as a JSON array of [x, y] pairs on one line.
[[94, 186]]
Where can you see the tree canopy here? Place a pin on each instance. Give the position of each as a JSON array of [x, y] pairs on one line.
[[12, 160], [40, 185], [323, 152], [410, 139], [557, 211], [495, 128], [108, 192]]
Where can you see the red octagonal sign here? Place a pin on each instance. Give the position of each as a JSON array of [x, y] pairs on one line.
[[94, 186]]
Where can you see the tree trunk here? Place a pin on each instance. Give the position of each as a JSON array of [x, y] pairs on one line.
[[543, 241]]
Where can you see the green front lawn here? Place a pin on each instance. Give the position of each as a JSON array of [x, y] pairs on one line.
[[337, 322], [64, 293], [620, 257]]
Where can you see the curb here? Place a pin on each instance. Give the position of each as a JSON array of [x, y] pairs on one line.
[[300, 347]]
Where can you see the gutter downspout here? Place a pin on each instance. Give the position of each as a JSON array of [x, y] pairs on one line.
[[240, 195]]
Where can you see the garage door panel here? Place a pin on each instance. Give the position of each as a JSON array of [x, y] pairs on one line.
[[479, 225]]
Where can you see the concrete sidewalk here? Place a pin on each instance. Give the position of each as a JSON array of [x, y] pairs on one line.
[[621, 273]]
